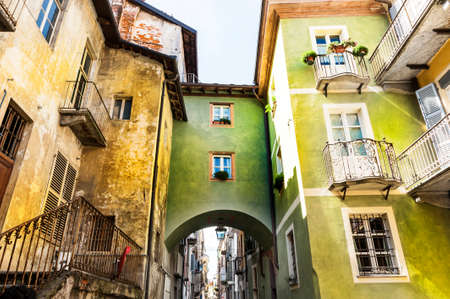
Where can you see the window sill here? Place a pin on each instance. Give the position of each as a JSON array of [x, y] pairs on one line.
[[382, 279], [221, 125], [218, 180]]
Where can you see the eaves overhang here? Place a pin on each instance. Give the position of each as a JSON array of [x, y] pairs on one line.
[[113, 39], [274, 10]]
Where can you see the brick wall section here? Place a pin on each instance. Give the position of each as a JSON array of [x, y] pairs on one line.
[[140, 32]]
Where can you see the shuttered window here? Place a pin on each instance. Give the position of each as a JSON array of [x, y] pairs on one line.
[[430, 104], [60, 191]]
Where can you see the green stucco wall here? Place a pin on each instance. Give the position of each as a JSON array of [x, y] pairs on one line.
[[423, 232], [423, 229], [366, 30], [194, 201]]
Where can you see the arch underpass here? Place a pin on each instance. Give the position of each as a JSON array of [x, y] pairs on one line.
[[178, 229]]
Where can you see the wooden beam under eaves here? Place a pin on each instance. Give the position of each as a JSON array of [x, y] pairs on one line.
[[418, 66], [442, 30]]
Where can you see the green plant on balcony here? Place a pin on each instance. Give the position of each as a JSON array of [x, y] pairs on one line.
[[279, 182], [221, 175], [360, 51], [340, 47], [309, 57]]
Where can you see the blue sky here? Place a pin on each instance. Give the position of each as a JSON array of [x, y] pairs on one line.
[[227, 33]]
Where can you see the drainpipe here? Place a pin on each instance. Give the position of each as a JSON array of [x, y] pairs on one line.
[[152, 202], [272, 197]]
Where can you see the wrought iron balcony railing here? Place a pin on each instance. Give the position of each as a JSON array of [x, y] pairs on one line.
[[398, 33], [340, 71], [75, 236], [365, 162], [189, 78], [84, 99], [428, 156], [9, 14]]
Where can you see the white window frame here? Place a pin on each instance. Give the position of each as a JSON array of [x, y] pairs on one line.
[[222, 107], [359, 108], [222, 168], [444, 93], [403, 275], [289, 255], [45, 18], [326, 31]]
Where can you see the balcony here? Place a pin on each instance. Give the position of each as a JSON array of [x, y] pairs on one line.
[[424, 165], [9, 13], [415, 35], [340, 71], [362, 164], [85, 113]]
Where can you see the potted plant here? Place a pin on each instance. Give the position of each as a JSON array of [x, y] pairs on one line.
[[221, 175], [309, 57], [279, 182], [336, 47], [225, 121], [360, 51]]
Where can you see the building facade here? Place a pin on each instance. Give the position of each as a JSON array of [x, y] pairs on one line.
[[350, 149]]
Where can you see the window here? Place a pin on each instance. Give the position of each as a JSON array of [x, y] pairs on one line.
[[279, 161], [255, 281], [221, 114], [221, 162], [322, 37], [292, 257], [60, 191], [373, 244], [122, 108], [430, 104], [11, 131], [48, 17], [82, 79]]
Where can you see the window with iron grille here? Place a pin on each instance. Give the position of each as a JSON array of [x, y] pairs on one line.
[[11, 132], [292, 257], [373, 244]]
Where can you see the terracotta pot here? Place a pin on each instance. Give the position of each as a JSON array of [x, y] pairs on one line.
[[310, 60], [339, 49]]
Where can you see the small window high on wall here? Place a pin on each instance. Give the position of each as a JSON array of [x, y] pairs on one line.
[[292, 257], [48, 17], [221, 166], [221, 115], [122, 108]]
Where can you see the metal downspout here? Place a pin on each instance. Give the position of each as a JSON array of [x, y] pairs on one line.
[[152, 202]]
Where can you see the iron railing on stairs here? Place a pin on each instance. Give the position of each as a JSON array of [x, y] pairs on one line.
[[75, 236]]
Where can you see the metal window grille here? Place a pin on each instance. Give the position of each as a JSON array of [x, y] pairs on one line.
[[11, 132], [373, 243]]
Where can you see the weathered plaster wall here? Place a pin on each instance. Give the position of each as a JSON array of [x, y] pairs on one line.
[[117, 179], [139, 26], [244, 201], [38, 73]]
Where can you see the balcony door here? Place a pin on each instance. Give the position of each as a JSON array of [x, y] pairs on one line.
[[352, 155], [82, 79], [332, 63]]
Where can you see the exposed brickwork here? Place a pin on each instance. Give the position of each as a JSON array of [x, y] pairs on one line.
[[147, 35], [128, 16], [132, 29]]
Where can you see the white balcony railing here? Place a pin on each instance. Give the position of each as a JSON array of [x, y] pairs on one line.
[[361, 161], [428, 156], [401, 28], [334, 65]]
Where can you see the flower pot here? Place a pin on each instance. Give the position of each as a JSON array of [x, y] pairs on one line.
[[310, 60], [339, 49]]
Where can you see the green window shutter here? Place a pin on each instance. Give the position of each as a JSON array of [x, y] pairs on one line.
[[430, 104]]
